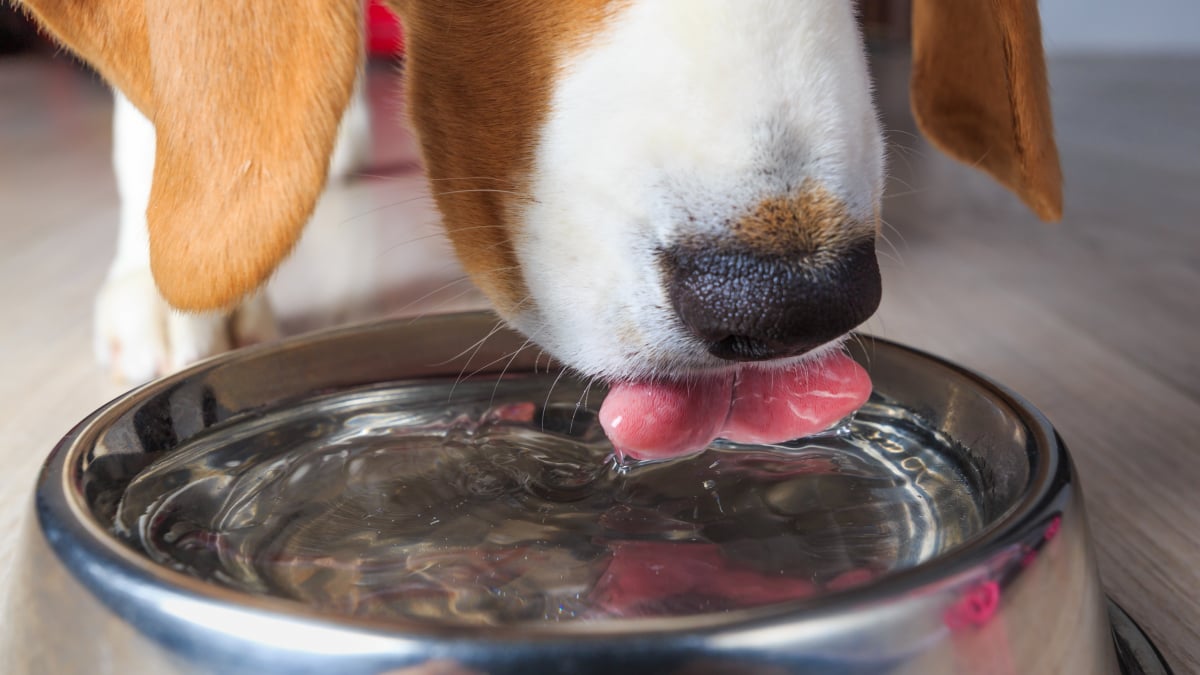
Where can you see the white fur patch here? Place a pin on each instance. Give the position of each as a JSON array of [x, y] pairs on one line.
[[678, 116]]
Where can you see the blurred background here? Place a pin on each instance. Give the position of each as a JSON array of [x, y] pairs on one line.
[[1094, 319]]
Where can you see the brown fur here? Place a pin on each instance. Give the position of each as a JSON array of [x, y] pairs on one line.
[[980, 92], [246, 98], [810, 222], [483, 73]]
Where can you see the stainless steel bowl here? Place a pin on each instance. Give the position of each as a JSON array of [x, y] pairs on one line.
[[1021, 595]]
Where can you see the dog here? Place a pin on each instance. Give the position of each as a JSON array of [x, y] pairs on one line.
[[654, 191]]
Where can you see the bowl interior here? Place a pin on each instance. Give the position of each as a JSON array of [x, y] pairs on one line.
[[362, 474]]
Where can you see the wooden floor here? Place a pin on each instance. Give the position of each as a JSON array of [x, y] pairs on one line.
[[1094, 319]]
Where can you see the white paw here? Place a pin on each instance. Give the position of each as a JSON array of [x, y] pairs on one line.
[[139, 337]]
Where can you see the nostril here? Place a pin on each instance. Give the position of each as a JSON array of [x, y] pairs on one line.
[[746, 305], [742, 348]]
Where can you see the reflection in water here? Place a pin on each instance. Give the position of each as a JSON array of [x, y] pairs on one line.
[[507, 506]]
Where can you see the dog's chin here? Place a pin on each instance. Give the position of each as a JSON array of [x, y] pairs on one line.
[[672, 358], [669, 396], [695, 362]]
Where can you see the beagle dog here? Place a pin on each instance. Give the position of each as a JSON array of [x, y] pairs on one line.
[[680, 197]]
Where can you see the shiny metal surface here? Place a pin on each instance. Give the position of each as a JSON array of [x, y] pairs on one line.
[[499, 502], [1022, 596], [1136, 654]]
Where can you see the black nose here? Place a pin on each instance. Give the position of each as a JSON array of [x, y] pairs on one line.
[[752, 306]]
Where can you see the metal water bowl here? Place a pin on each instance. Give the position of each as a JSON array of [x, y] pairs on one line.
[[1020, 594]]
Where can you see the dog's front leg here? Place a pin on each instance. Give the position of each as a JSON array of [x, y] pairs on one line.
[[137, 335]]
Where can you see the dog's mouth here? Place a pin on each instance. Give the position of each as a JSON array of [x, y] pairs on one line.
[[775, 320], [749, 403]]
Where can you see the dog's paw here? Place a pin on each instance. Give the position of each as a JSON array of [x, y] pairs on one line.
[[138, 337]]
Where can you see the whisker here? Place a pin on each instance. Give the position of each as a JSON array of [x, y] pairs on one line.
[[403, 202], [393, 171], [858, 339], [895, 255], [500, 377], [581, 403], [549, 393], [913, 148], [469, 190], [907, 193], [909, 189], [876, 325], [384, 207], [888, 256], [438, 233], [477, 347], [432, 293], [445, 301], [895, 230], [898, 151], [883, 234], [910, 134], [434, 180], [474, 345], [529, 340]]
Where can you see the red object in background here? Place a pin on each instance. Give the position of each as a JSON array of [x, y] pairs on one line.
[[385, 36]]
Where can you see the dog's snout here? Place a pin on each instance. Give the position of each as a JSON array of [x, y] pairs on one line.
[[746, 305]]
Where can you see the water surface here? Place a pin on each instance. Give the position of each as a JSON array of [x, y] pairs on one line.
[[478, 504]]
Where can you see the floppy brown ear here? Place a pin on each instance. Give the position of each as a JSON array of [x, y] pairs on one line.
[[980, 93], [246, 98]]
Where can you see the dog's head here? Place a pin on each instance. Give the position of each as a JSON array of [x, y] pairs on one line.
[[645, 187]]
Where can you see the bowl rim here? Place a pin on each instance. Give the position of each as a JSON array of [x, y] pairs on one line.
[[122, 578]]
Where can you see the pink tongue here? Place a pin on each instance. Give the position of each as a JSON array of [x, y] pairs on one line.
[[659, 420]]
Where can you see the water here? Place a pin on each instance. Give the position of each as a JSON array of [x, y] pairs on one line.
[[499, 506]]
